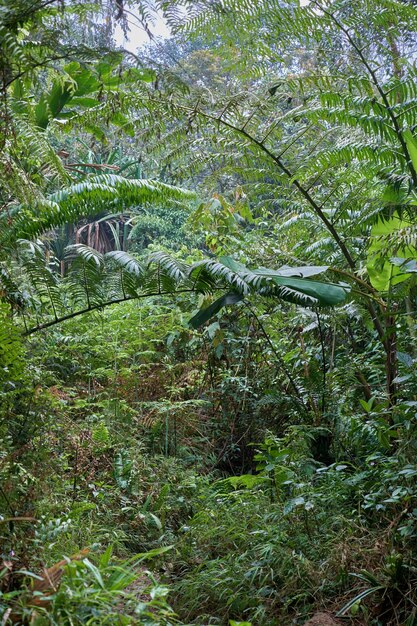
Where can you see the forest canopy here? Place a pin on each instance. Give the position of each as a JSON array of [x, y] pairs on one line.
[[208, 292]]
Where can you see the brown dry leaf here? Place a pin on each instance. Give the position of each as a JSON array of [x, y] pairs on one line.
[[51, 578]]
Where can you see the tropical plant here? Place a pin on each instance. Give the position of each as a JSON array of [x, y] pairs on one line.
[[95, 280], [333, 145], [77, 591], [250, 402]]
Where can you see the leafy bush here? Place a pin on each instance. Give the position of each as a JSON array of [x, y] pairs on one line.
[[81, 592]]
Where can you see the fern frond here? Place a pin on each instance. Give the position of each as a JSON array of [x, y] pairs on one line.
[[88, 198]]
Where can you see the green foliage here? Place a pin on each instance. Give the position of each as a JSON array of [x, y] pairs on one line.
[[100, 593], [11, 352], [133, 425], [162, 227], [95, 280], [382, 272], [85, 199]]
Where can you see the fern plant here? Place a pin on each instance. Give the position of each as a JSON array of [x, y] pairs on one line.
[[95, 280], [321, 126]]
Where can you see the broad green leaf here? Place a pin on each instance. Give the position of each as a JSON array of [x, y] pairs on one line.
[[83, 101], [294, 282], [406, 266], [58, 97], [106, 556], [246, 480], [155, 519], [41, 113], [303, 271], [405, 358], [85, 82], [145, 75], [383, 273], [324, 294], [205, 314], [411, 142], [95, 571], [234, 265], [293, 503]]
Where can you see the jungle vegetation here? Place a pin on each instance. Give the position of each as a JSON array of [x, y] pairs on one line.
[[208, 297]]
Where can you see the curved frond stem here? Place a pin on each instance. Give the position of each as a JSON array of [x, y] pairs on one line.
[[323, 364], [98, 307], [293, 181], [372, 293], [6, 84], [291, 143]]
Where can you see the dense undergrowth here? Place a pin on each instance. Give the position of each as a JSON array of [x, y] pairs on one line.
[[130, 451]]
